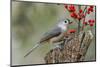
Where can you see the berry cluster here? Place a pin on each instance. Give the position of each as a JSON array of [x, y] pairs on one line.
[[71, 8], [90, 9], [81, 14], [73, 14], [91, 22]]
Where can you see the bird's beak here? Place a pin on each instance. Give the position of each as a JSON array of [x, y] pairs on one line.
[[70, 22]]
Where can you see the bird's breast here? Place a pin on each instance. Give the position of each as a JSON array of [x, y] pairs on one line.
[[57, 38], [64, 29]]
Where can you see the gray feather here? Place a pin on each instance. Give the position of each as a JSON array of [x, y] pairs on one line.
[[33, 48], [53, 33]]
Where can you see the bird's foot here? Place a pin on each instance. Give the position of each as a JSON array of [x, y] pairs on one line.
[[59, 45]]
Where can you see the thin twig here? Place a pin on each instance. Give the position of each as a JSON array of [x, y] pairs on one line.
[[84, 9], [79, 7], [84, 12]]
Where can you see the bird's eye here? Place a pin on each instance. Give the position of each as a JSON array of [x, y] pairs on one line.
[[65, 21]]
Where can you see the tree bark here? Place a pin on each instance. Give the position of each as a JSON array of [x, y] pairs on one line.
[[74, 49]]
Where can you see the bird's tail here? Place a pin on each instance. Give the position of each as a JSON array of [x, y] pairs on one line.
[[37, 45]]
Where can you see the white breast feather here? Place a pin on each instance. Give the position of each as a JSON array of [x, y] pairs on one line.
[[63, 27]]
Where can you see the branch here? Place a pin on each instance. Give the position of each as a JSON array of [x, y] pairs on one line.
[[71, 52]]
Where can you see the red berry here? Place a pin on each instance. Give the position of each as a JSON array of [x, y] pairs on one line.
[[91, 24], [92, 21], [73, 14], [71, 8], [89, 21], [85, 23], [90, 9], [91, 6], [79, 17], [66, 6], [72, 31], [83, 15], [80, 11], [88, 12]]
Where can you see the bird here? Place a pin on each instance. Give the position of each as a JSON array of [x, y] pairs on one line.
[[53, 36]]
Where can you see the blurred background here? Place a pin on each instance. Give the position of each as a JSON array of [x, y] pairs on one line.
[[29, 22]]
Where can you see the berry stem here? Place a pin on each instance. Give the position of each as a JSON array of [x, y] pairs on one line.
[[79, 20], [85, 11]]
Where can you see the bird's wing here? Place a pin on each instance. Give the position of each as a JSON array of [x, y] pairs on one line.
[[53, 33]]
